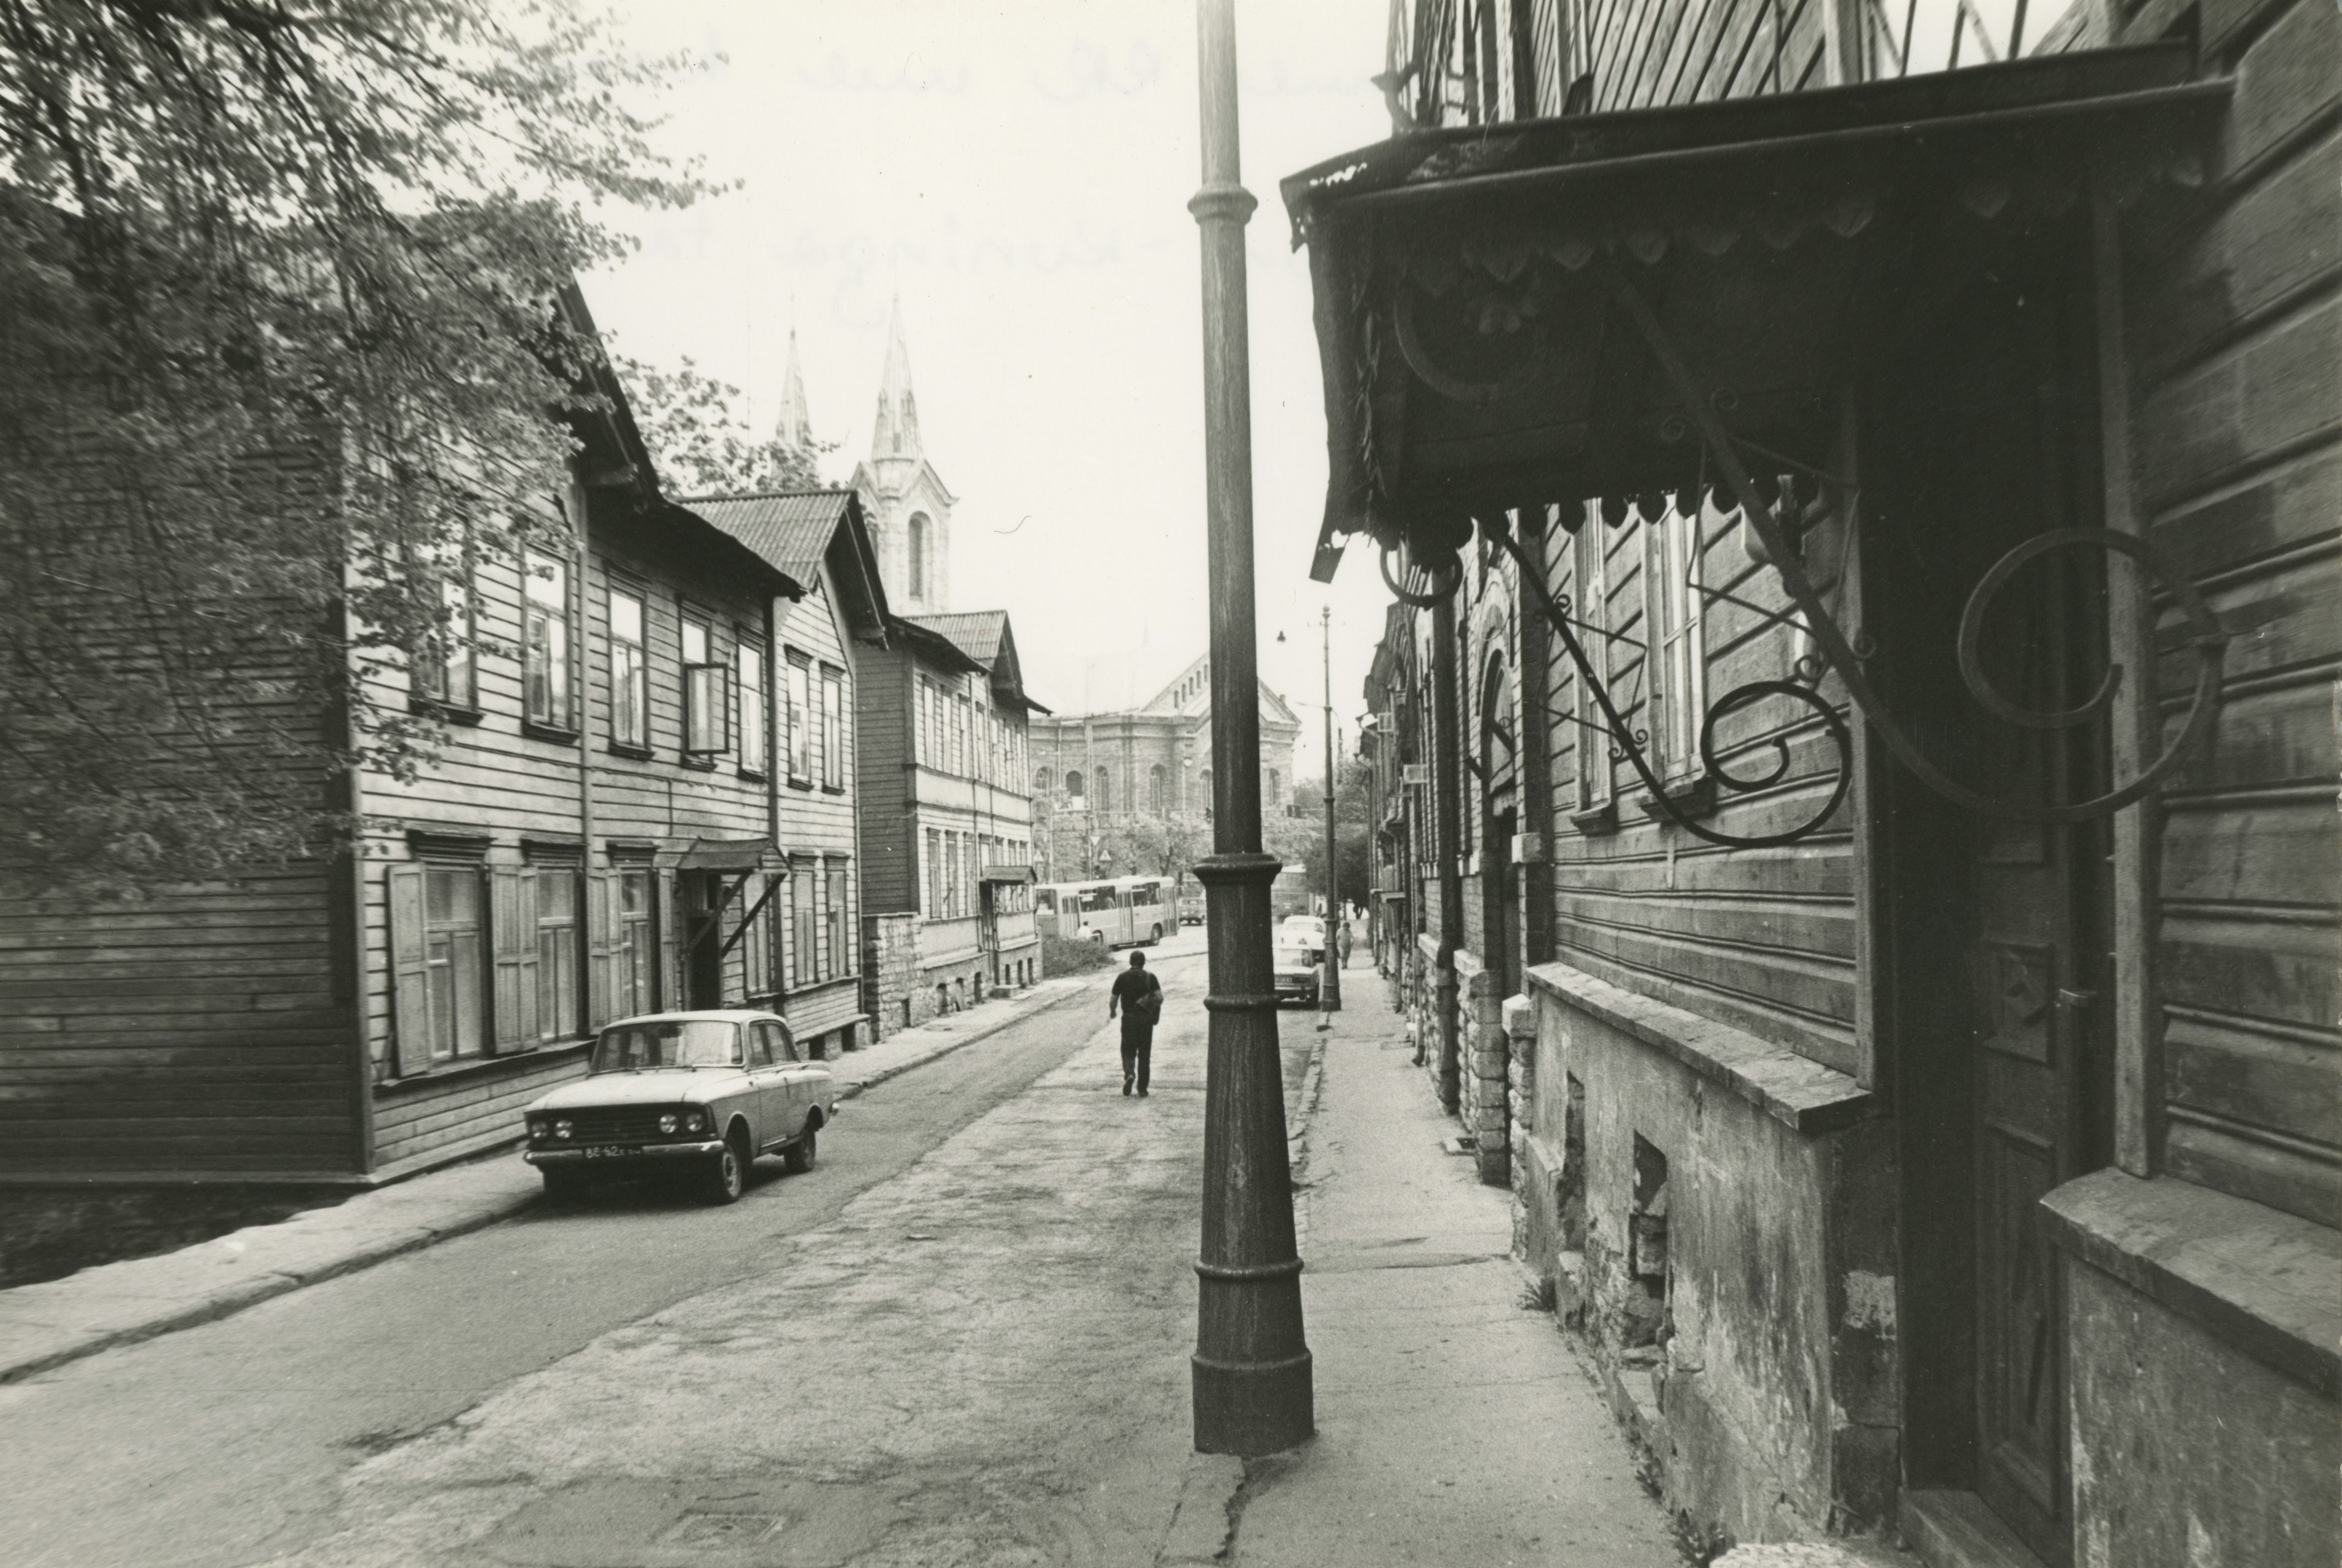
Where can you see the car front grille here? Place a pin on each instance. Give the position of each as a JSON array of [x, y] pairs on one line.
[[620, 1125]]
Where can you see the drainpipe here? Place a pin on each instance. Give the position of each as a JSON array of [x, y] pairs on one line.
[[1252, 1378], [1451, 871]]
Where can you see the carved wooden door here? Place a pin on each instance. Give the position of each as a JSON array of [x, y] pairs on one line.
[[2033, 972]]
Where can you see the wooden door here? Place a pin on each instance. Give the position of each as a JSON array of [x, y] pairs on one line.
[[702, 936], [2034, 965]]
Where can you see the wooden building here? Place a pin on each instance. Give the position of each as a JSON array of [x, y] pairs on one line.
[[1869, 540], [947, 861], [610, 829]]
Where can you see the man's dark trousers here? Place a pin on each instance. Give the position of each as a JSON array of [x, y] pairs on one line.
[[1138, 1049]]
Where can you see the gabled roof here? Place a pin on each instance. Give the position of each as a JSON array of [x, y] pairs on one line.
[[613, 446], [799, 530], [984, 635]]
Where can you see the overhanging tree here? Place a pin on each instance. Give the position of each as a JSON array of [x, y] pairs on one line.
[[277, 347]]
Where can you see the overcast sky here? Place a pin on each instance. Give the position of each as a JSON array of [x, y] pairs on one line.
[[1018, 175]]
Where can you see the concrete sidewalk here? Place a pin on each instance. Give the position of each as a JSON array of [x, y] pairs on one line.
[[47, 1324], [1454, 1424]]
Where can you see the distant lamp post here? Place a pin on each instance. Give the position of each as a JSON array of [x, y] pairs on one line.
[[1251, 1370], [1329, 994]]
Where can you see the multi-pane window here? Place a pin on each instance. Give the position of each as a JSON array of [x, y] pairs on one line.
[[635, 950], [803, 922], [446, 664], [1105, 790], [1154, 790], [557, 953], [752, 703], [704, 696], [452, 962], [1679, 688], [545, 641], [832, 728], [1594, 771], [934, 874], [838, 958], [800, 683], [630, 695]]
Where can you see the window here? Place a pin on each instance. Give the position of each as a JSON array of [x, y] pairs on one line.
[[545, 641], [630, 695], [751, 659], [1041, 782], [1679, 687], [1073, 785], [1275, 786], [1594, 766], [704, 698], [447, 664], [804, 885], [800, 720], [832, 728], [453, 1006], [1105, 790], [934, 874], [757, 966], [636, 949], [838, 957], [1155, 789], [918, 553], [557, 953]]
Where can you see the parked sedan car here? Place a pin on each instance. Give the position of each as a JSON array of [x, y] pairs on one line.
[[699, 1094], [1296, 968]]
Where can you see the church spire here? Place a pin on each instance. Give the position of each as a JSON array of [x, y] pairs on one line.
[[897, 432], [794, 431]]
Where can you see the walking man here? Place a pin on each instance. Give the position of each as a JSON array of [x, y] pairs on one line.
[[1341, 939], [1139, 997]]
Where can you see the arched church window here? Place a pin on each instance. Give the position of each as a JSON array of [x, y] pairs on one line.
[[1073, 785], [1041, 782], [1155, 802], [919, 550], [1275, 786], [1105, 790]]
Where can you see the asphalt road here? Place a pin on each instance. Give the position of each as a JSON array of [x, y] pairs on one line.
[[229, 1443]]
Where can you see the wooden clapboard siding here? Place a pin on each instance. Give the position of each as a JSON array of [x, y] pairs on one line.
[[2236, 351], [814, 819], [195, 1030], [885, 708], [1760, 939], [414, 1118]]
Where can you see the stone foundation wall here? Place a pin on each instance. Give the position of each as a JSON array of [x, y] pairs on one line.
[[1732, 1271], [890, 972]]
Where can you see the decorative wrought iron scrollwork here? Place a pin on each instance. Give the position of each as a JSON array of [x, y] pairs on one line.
[[1418, 584]]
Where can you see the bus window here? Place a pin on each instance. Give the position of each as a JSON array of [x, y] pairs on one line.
[[1045, 900], [1097, 898]]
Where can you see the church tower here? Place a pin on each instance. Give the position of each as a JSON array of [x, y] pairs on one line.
[[794, 431], [902, 496]]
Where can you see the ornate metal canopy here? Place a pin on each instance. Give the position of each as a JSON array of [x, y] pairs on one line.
[[1675, 300]]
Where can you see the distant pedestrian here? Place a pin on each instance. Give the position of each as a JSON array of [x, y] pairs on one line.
[[1342, 941], [1139, 997]]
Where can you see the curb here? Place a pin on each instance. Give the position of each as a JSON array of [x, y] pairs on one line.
[[65, 1345]]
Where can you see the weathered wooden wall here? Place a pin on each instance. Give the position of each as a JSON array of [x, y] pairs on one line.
[[2236, 348]]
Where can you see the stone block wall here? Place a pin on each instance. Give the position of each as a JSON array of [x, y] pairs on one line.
[[1734, 1274], [1486, 1053], [890, 974]]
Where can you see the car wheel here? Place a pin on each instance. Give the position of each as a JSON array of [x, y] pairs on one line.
[[1098, 937], [1157, 937], [727, 1171], [562, 1182], [801, 1153]]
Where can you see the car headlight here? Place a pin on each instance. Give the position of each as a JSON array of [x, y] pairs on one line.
[[695, 1121], [564, 1128], [668, 1124]]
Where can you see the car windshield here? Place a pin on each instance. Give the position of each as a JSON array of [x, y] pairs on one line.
[[1294, 958], [687, 1043]]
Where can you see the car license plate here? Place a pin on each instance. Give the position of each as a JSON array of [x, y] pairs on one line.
[[611, 1151]]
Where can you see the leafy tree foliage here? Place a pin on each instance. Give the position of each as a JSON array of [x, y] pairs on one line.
[[278, 344], [697, 430]]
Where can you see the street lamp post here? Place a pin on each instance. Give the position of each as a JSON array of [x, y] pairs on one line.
[[1329, 994], [1252, 1381]]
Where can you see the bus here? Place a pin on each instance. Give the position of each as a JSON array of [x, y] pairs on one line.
[[1116, 912]]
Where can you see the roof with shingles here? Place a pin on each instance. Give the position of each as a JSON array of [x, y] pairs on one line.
[[790, 528], [976, 632]]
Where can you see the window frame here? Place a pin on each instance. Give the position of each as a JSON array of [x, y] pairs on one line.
[[544, 660], [430, 666], [635, 678], [444, 966], [1675, 558], [797, 676], [706, 693], [752, 657], [832, 728], [1598, 783]]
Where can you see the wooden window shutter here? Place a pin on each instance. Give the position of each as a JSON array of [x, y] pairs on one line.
[[671, 987], [601, 946], [512, 929], [410, 996]]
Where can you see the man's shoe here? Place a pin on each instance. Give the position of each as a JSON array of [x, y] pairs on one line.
[[1126, 1086], [1142, 1093]]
